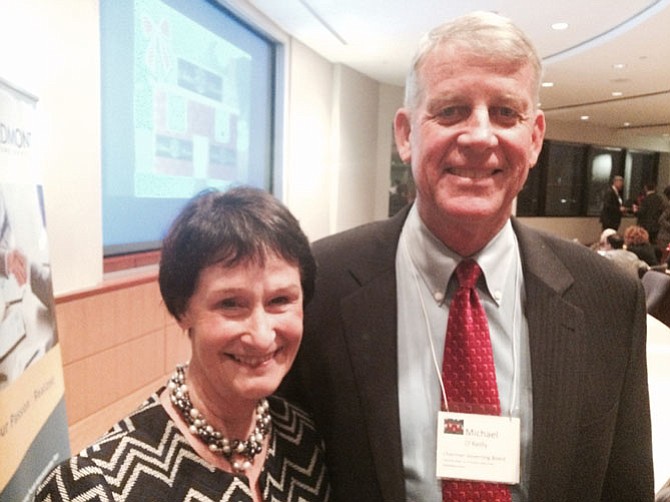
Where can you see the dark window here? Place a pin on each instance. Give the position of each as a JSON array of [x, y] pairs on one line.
[[571, 178], [640, 168], [603, 164], [565, 179]]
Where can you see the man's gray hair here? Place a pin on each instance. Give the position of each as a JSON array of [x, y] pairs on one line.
[[483, 34]]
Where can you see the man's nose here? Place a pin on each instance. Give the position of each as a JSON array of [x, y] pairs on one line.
[[478, 129]]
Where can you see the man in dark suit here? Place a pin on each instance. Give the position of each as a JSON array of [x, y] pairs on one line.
[[567, 329], [650, 210], [613, 208]]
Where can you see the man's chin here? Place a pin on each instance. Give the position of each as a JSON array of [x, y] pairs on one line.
[[473, 211]]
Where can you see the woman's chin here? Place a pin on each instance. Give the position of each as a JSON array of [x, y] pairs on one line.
[[258, 388]]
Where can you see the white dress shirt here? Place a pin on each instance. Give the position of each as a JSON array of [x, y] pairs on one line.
[[424, 267]]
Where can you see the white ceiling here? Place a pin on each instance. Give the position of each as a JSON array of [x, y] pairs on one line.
[[378, 39]]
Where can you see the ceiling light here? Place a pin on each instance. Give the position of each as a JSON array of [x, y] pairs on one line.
[[626, 124], [559, 26], [584, 117], [617, 94], [619, 66], [547, 84]]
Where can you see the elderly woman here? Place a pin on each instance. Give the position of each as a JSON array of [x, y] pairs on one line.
[[636, 239], [235, 272]]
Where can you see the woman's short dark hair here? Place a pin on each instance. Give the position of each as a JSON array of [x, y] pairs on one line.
[[239, 225]]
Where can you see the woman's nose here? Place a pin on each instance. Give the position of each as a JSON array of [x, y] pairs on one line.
[[261, 332]]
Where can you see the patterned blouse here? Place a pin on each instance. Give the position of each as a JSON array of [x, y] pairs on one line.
[[145, 457]]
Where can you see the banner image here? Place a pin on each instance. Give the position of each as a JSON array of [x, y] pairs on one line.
[[33, 422]]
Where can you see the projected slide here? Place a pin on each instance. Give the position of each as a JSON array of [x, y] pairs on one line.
[[187, 95], [191, 124]]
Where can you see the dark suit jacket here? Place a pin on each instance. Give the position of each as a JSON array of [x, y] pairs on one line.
[[649, 213], [587, 325], [610, 215]]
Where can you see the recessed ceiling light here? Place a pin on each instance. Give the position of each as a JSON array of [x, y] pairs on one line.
[[547, 84], [560, 26], [584, 117], [617, 93], [619, 66]]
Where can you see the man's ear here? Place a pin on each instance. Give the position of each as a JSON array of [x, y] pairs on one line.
[[539, 128], [402, 128]]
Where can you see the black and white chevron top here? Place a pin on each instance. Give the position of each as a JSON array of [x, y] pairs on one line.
[[145, 457]]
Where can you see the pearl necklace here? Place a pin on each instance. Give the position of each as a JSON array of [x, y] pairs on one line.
[[215, 440]]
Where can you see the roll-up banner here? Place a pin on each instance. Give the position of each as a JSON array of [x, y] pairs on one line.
[[33, 422]]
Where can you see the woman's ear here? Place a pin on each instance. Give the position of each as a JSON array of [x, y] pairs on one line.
[[185, 323]]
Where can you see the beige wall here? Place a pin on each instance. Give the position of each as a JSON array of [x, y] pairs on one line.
[[308, 169], [355, 153], [51, 49]]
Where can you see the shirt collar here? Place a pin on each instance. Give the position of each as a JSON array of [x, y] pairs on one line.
[[435, 262]]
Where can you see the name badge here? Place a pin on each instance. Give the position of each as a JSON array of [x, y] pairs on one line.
[[478, 447]]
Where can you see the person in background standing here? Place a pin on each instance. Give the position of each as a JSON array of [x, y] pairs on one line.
[[613, 208], [650, 210]]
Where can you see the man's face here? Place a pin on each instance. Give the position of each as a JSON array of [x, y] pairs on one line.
[[471, 140]]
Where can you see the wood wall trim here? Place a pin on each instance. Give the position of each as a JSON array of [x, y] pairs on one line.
[[112, 282], [130, 261]]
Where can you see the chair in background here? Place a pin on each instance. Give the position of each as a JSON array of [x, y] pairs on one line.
[[657, 290]]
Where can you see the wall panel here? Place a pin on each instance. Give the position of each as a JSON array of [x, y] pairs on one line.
[[119, 345]]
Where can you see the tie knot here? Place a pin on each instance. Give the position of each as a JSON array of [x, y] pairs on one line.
[[467, 273]]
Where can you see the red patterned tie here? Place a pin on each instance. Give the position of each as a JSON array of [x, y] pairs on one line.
[[469, 375]]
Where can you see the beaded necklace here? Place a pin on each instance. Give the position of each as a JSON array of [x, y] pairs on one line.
[[245, 451]]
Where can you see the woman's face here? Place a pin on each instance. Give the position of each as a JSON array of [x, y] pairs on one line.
[[245, 325]]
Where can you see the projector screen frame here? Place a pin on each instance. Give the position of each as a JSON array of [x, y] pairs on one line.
[[273, 180]]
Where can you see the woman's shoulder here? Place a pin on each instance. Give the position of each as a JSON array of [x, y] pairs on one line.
[[90, 469], [143, 423]]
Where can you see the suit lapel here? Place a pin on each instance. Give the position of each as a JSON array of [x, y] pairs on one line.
[[370, 319], [558, 359]]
